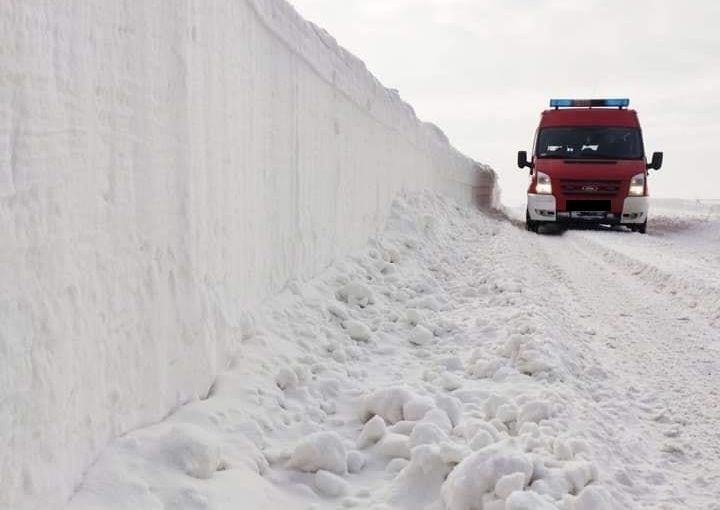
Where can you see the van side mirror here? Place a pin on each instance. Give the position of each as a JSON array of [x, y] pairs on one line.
[[657, 161], [522, 160]]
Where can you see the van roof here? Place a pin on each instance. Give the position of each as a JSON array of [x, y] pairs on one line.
[[619, 117]]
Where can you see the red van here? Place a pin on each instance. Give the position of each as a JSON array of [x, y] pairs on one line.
[[588, 166]]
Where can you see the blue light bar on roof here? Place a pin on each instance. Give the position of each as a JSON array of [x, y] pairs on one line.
[[579, 103]]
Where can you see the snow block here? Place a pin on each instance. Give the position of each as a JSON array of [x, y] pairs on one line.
[[417, 407], [192, 452], [427, 433], [528, 500], [357, 330], [420, 335], [393, 446], [330, 484], [372, 432], [479, 473], [355, 461], [321, 450], [387, 403], [593, 498]]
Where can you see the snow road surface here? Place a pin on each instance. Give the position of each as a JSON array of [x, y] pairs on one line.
[[459, 363]]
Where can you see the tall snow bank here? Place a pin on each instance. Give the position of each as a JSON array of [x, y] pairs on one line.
[[163, 167]]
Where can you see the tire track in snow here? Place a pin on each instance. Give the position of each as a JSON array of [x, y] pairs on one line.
[[669, 366], [699, 292]]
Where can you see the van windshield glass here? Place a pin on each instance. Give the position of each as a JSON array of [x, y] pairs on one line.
[[587, 142]]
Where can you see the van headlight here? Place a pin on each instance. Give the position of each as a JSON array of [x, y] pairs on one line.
[[543, 186], [637, 185]]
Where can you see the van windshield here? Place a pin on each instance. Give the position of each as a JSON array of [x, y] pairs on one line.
[[587, 142]]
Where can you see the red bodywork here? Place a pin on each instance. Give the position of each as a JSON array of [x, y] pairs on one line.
[[589, 179]]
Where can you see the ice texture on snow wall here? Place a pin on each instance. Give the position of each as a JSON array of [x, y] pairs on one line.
[[163, 167]]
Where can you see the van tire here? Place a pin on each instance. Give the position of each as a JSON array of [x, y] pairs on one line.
[[642, 227], [531, 226]]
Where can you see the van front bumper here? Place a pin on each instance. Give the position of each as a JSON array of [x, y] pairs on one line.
[[543, 208], [635, 210]]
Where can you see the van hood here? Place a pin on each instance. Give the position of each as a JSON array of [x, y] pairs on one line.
[[585, 169]]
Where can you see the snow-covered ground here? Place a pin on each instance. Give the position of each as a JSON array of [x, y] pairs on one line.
[[167, 169], [460, 363]]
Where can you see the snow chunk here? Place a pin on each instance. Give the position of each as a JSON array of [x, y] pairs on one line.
[[481, 440], [275, 455], [509, 484], [453, 453], [450, 381], [527, 354], [403, 427], [338, 312], [396, 465], [417, 407], [372, 432], [439, 418], [193, 452], [393, 446], [593, 498], [534, 411], [420, 335], [330, 484], [471, 428], [453, 363], [579, 474], [479, 472], [355, 461], [452, 407], [528, 501], [486, 369], [494, 504], [420, 480], [492, 404], [357, 330], [570, 479], [426, 433], [387, 403], [321, 450], [507, 413], [356, 294]]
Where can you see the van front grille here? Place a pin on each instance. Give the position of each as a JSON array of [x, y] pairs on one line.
[[589, 187]]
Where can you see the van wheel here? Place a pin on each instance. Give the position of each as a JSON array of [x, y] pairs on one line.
[[642, 227], [531, 226]]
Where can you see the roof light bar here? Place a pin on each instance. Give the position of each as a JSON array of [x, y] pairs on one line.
[[580, 103]]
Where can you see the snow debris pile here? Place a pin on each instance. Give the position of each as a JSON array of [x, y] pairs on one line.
[[418, 374]]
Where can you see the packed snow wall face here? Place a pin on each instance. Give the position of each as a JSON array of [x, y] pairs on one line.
[[165, 165]]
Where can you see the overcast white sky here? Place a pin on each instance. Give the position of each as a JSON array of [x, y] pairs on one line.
[[483, 71]]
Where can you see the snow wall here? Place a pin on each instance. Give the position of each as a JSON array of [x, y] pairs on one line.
[[164, 166]]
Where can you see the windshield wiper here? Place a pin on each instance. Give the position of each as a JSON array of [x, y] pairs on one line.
[[613, 156], [595, 156], [599, 156]]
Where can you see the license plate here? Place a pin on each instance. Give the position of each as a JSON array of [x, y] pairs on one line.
[[588, 215]]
